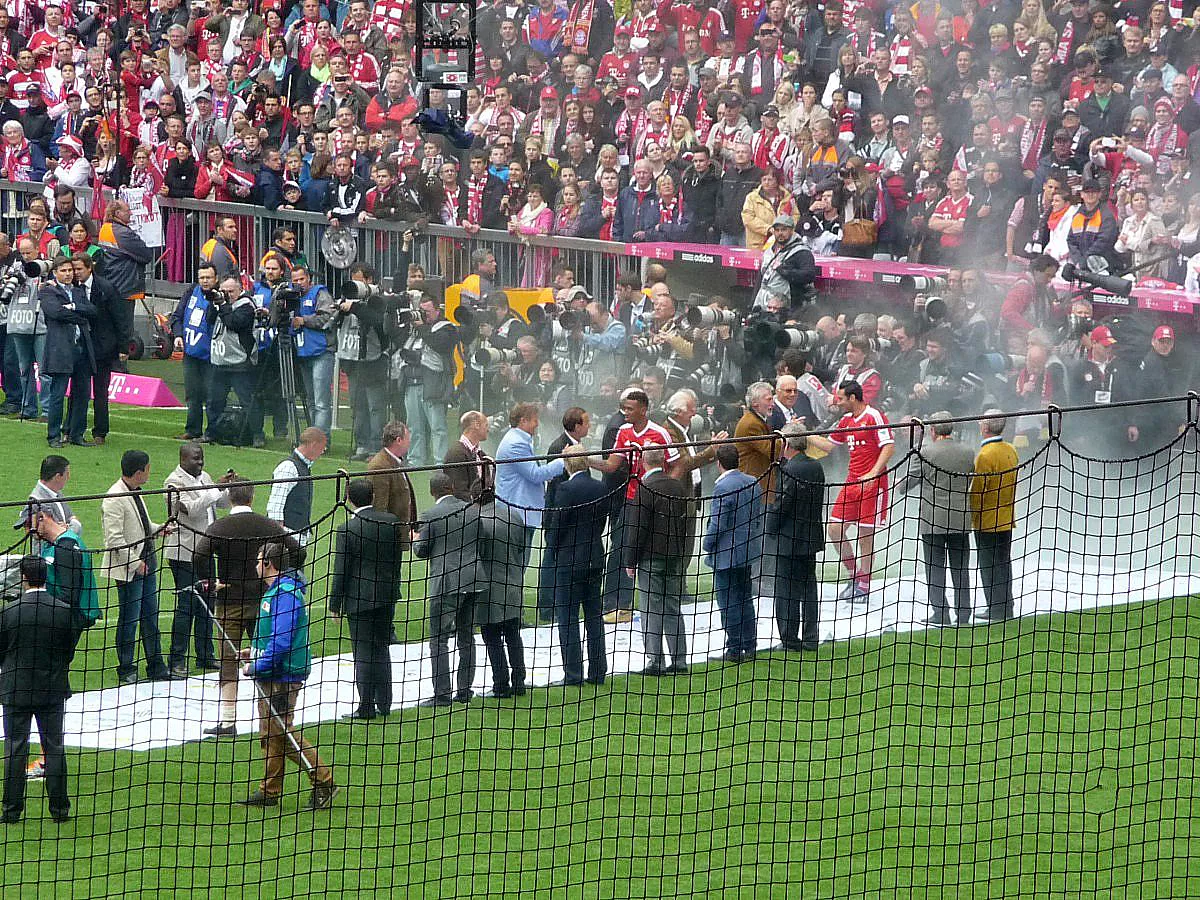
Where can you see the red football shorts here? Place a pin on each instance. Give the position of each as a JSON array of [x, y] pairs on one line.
[[863, 503]]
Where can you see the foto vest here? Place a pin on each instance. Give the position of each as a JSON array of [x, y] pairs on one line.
[[227, 348], [197, 333], [311, 341]]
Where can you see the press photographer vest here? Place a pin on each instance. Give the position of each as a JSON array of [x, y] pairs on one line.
[[226, 348], [197, 334], [264, 337], [25, 311], [311, 341], [355, 343]]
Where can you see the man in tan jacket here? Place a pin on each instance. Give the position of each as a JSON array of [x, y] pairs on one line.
[[131, 562]]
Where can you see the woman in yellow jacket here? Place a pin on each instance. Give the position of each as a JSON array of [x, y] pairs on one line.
[[762, 205]]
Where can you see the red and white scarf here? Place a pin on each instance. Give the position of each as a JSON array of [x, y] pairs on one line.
[[865, 46], [579, 25], [475, 186], [450, 205], [676, 101], [704, 122], [670, 213], [654, 134], [756, 80], [1162, 140], [1065, 42], [628, 128], [903, 47], [769, 149], [1175, 8], [607, 203], [1033, 138]]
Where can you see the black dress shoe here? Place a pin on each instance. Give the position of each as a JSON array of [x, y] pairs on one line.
[[358, 717], [677, 668], [809, 645], [166, 675], [55, 443], [383, 713], [936, 620], [222, 729], [464, 696], [565, 682], [60, 818], [792, 645], [729, 657], [131, 678], [518, 689], [748, 655], [654, 671], [595, 679], [438, 702], [500, 693], [10, 818], [80, 442], [259, 800]]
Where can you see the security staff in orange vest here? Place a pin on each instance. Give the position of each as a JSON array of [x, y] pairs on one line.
[[1094, 228]]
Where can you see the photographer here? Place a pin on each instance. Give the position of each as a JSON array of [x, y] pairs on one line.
[[788, 268], [312, 323], [509, 328], [519, 384], [664, 340], [939, 384], [428, 354], [362, 352], [602, 354], [268, 395], [193, 337], [27, 328], [232, 353]]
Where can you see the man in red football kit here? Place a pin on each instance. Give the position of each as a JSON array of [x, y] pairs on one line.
[[863, 501]]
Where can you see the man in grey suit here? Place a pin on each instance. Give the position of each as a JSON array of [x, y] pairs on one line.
[[796, 519], [366, 584], [498, 608], [732, 541], [448, 536], [655, 542], [946, 467]]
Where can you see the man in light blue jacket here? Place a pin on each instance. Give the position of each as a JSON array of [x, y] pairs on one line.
[[732, 541], [522, 485]]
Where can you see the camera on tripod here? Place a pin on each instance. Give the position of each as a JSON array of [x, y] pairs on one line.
[[285, 305]]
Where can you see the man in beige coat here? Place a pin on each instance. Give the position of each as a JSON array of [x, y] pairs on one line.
[[131, 562]]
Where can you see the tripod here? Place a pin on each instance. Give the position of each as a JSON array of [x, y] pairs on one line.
[[285, 346]]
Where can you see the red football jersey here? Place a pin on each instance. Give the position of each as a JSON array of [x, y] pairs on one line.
[[653, 434], [865, 446]]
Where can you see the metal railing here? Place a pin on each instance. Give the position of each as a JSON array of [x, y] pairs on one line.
[[441, 250]]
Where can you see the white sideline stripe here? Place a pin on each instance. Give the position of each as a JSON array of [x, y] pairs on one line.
[[154, 715]]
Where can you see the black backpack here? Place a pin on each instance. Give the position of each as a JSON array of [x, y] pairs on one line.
[[230, 427]]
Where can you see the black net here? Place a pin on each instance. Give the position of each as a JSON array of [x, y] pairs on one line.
[[977, 679]]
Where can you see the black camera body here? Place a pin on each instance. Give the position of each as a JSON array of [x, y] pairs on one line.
[[285, 305]]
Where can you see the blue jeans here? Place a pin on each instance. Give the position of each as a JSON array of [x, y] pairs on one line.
[[424, 419], [317, 372], [738, 617], [138, 604], [30, 349]]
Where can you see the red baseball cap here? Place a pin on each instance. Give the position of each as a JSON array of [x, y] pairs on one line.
[[633, 91], [548, 93], [1164, 332], [1102, 334], [625, 29]]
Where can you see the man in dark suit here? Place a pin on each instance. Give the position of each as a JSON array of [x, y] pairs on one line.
[[575, 523], [656, 538], [498, 609], [733, 539], [448, 536], [366, 584], [69, 359], [111, 332], [464, 457], [795, 519], [37, 641], [226, 564], [576, 423]]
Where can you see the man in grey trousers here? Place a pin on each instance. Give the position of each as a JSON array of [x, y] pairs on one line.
[[946, 466], [655, 540], [448, 536]]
